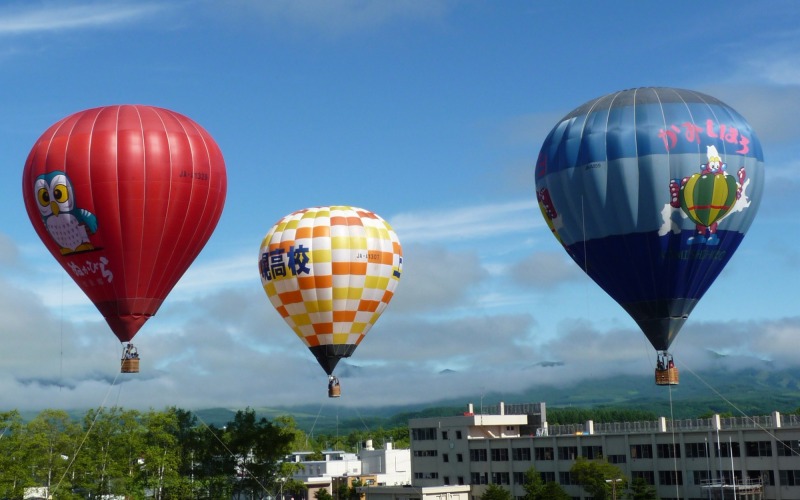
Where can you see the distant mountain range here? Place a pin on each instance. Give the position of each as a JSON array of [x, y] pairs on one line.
[[745, 392]]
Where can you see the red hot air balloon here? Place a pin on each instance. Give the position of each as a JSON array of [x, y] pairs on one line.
[[125, 197]]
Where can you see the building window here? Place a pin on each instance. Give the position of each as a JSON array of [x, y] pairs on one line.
[[696, 450], [444, 435], [423, 434], [522, 454], [617, 459], [461, 480], [500, 478], [567, 452], [566, 479], [446, 480], [726, 451], [758, 448], [459, 457], [500, 455], [445, 458], [726, 477], [668, 450], [766, 477], [543, 453], [647, 475], [641, 451], [670, 477], [700, 477], [519, 478], [477, 455], [426, 453], [592, 452], [458, 434], [788, 448], [479, 478]]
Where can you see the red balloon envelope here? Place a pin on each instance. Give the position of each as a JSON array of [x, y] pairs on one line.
[[125, 197]]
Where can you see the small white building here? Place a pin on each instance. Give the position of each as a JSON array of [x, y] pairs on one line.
[[391, 467], [333, 464], [385, 466]]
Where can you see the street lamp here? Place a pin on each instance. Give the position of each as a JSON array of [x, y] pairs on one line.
[[614, 487]]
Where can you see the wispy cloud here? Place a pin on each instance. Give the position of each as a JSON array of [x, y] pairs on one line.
[[466, 223], [37, 18]]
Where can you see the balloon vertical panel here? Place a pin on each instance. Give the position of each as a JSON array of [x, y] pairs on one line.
[[612, 180], [149, 186]]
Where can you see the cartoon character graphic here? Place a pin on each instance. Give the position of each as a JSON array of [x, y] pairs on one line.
[[548, 211], [707, 197], [68, 225]]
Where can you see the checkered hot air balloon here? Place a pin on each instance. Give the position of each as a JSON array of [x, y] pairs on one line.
[[330, 272], [634, 185]]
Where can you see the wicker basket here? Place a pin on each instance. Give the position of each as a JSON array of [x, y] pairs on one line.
[[130, 366], [667, 376]]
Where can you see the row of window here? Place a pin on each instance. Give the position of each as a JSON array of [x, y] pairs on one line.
[[430, 433], [637, 451], [692, 450], [665, 478]]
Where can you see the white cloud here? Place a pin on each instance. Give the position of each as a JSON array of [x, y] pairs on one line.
[[17, 20], [468, 223], [545, 270]]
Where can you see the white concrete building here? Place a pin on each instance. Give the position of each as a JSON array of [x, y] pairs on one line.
[[390, 466], [693, 459], [333, 464], [372, 467]]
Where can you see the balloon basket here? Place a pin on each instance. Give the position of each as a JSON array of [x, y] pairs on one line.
[[668, 376], [130, 366], [334, 391]]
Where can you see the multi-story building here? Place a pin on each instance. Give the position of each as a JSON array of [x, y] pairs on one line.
[[696, 459]]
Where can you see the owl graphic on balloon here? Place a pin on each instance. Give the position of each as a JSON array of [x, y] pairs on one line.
[[68, 224], [707, 197]]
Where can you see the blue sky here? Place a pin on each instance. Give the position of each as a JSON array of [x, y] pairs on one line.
[[428, 112]]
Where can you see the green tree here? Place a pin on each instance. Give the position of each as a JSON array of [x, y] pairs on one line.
[[160, 457], [14, 469], [323, 494], [640, 490], [50, 443], [533, 485], [214, 466], [592, 475], [102, 463], [259, 447], [288, 426], [496, 492], [554, 491]]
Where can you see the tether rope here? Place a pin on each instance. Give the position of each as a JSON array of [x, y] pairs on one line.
[[88, 431]]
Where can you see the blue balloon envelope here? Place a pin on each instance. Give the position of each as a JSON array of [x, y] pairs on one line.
[[650, 191]]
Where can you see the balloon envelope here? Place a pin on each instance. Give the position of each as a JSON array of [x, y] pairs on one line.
[[330, 272], [125, 197], [650, 191]]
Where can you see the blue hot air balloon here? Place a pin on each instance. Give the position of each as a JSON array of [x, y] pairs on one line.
[[650, 191]]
